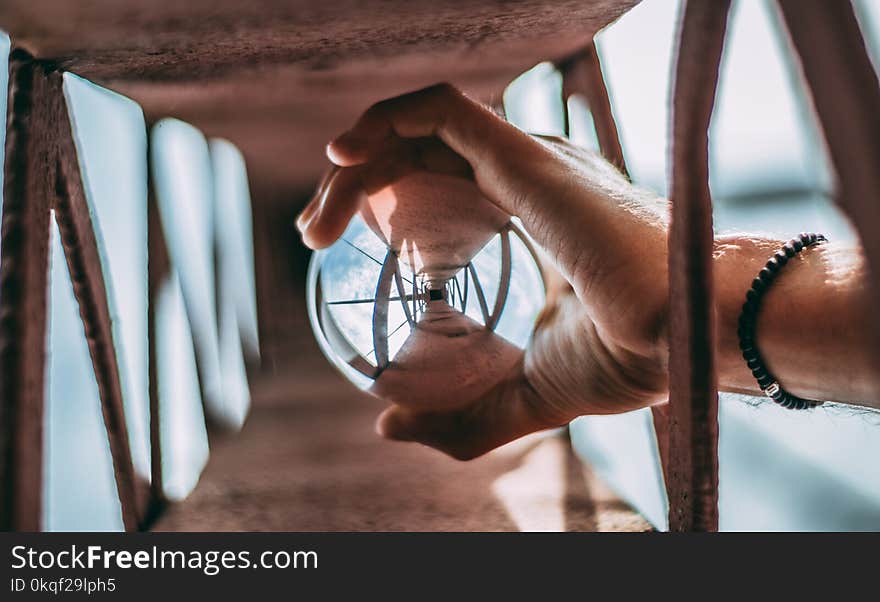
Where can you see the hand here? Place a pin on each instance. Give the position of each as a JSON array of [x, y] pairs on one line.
[[599, 344]]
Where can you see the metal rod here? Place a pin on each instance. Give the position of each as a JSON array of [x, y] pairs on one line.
[[481, 297], [380, 310], [504, 280]]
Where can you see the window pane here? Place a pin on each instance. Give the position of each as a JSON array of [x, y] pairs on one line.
[[183, 184], [182, 423], [532, 101], [235, 273], [234, 235], [111, 145], [79, 485], [763, 139], [636, 53]]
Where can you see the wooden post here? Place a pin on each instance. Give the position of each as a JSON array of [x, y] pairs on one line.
[[86, 273], [846, 96], [24, 263], [692, 477], [582, 75], [158, 271]]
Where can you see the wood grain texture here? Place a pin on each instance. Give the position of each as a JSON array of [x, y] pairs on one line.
[[846, 96], [281, 78], [692, 476], [308, 459], [29, 173], [86, 273]]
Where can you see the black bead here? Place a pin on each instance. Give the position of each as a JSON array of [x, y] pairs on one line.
[[746, 323]]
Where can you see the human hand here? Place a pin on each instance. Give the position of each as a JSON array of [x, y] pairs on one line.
[[599, 345]]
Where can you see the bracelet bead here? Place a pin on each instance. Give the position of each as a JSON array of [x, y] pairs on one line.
[[748, 318]]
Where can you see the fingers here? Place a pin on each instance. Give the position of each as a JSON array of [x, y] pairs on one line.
[[511, 411], [327, 217], [342, 189], [575, 205], [483, 139], [311, 207]]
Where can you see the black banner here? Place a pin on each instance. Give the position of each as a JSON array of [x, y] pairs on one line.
[[411, 565]]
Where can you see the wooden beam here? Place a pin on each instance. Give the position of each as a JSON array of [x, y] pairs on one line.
[[582, 75], [159, 271], [84, 264], [692, 478], [846, 96], [24, 263]]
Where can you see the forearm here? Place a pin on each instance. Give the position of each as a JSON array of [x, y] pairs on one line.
[[813, 327]]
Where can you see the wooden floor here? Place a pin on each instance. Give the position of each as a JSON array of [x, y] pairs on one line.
[[309, 460]]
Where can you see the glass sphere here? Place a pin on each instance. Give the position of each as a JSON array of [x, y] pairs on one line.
[[430, 295]]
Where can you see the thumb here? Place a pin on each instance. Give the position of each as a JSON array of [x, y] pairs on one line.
[[510, 411]]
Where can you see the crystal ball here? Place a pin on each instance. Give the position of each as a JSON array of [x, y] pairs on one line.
[[429, 297]]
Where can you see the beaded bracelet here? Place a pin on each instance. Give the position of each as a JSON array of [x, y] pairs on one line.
[[747, 319]]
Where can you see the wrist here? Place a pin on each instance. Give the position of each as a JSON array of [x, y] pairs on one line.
[[810, 328]]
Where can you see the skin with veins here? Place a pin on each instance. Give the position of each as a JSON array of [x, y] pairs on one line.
[[601, 344]]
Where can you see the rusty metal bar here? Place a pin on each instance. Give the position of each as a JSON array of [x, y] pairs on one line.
[[582, 75], [29, 175], [846, 96], [84, 264], [692, 477]]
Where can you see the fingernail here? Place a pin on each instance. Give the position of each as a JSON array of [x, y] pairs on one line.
[[332, 153], [344, 149], [302, 221]]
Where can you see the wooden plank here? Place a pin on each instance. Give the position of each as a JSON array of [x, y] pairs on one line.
[[582, 75], [84, 264], [24, 263], [846, 97], [158, 270], [692, 477]]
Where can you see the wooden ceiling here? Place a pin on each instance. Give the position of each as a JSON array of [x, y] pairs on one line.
[[281, 78]]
